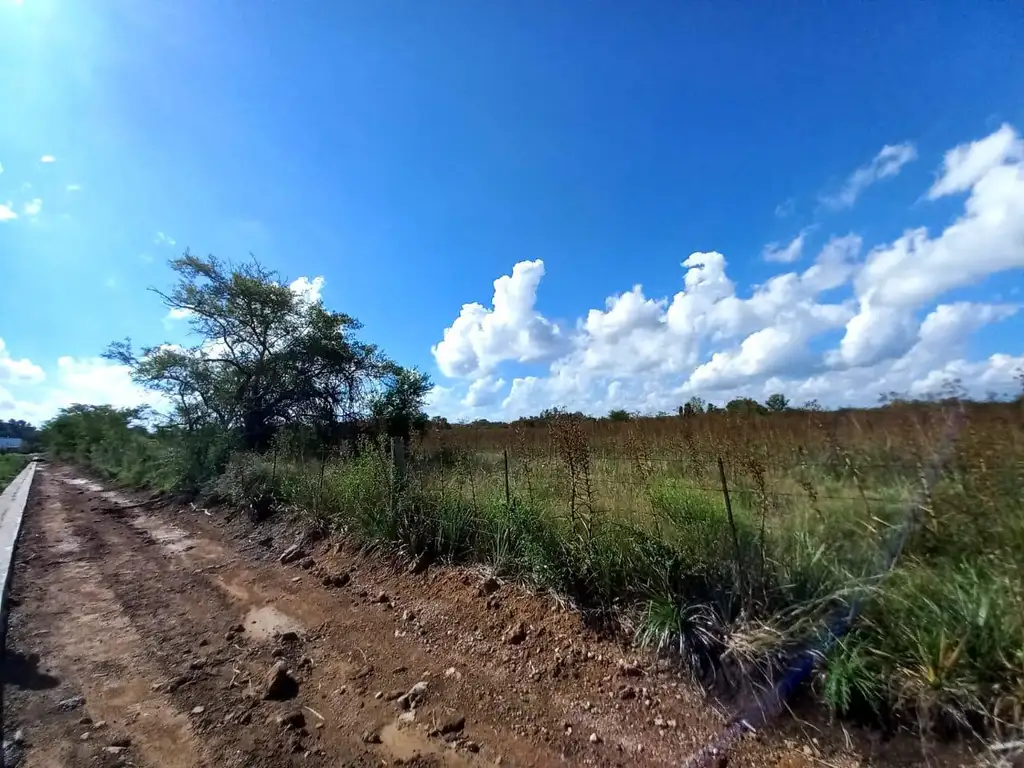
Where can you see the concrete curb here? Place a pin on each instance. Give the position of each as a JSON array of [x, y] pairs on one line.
[[12, 510]]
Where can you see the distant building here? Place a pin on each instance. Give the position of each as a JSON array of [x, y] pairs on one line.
[[10, 443]]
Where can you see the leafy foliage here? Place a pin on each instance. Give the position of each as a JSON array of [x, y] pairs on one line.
[[268, 363], [21, 430]]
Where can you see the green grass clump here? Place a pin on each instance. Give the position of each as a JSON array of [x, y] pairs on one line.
[[10, 465]]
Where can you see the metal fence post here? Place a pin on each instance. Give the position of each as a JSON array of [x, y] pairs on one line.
[[735, 534], [397, 468], [508, 492]]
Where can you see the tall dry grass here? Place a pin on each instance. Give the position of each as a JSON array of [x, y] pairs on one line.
[[629, 520]]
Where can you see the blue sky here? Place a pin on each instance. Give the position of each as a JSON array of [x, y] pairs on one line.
[[413, 153]]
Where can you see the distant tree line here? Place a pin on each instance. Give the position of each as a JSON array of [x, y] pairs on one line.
[[746, 406], [20, 430]]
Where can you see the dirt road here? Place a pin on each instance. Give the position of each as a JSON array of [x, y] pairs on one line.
[[162, 635]]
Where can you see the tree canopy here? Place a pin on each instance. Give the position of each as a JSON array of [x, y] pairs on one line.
[[19, 429], [266, 355]]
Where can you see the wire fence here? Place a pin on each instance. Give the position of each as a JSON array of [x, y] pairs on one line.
[[609, 480], [633, 487]]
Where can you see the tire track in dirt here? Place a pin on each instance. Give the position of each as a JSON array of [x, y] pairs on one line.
[[89, 643]]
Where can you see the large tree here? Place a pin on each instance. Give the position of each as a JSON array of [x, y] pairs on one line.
[[264, 355]]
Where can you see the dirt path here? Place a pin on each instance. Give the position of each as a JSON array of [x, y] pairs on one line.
[[144, 636]]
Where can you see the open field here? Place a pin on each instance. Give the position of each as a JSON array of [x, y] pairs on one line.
[[628, 521]]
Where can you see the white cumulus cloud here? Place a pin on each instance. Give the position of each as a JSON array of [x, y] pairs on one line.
[[481, 338], [483, 392], [308, 290], [965, 165], [842, 330], [987, 238], [47, 159], [33, 207], [7, 212], [19, 371], [27, 392]]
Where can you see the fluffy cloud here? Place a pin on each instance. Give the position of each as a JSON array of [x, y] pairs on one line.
[[308, 290], [987, 238], [785, 254], [480, 338], [888, 162], [483, 392], [964, 166], [47, 159], [846, 328], [26, 392], [7, 211], [22, 371], [33, 207]]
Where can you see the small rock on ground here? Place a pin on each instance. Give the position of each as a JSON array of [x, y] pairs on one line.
[[279, 684], [293, 553], [337, 580], [292, 720], [73, 702], [516, 634], [452, 725]]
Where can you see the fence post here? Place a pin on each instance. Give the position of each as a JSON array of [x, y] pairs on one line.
[[508, 493], [397, 458], [320, 485], [397, 467], [735, 534]]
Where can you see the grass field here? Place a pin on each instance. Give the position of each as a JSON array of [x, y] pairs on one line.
[[630, 521], [10, 465]]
